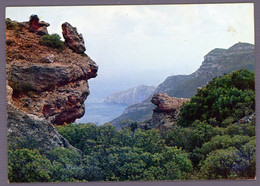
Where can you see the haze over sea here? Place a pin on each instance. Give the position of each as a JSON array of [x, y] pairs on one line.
[[98, 112]]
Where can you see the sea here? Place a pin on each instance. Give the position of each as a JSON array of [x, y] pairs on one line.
[[101, 112]]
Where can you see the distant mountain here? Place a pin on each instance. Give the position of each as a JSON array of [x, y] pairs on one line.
[[131, 96], [216, 63]]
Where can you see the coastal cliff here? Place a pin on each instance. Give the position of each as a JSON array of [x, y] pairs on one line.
[[47, 79]]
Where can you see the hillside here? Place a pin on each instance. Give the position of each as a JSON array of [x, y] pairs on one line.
[[216, 63], [131, 96]]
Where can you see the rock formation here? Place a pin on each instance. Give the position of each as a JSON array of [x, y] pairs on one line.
[[216, 63], [166, 113], [131, 96], [74, 40], [45, 85], [40, 27], [34, 131]]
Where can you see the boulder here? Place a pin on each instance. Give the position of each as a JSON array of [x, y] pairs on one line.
[[74, 40], [167, 111], [39, 27], [166, 103]]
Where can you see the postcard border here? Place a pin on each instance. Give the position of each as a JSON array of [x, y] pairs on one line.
[[3, 121]]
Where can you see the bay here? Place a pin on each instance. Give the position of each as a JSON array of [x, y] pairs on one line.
[[100, 113]]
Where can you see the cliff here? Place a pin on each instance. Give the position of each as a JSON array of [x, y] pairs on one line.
[[216, 63], [46, 79], [131, 96]]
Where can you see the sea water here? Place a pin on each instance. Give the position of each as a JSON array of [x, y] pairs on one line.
[[100, 113]]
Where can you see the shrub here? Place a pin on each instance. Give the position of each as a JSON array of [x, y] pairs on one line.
[[26, 165], [10, 25], [220, 164], [64, 156], [230, 163], [52, 40], [21, 87], [223, 101]]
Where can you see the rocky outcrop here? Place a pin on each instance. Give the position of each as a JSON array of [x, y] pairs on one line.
[[40, 27], [131, 96], [74, 40], [30, 130], [166, 103], [167, 111], [45, 86], [216, 63], [46, 82]]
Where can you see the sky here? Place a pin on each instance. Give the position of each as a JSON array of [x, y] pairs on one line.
[[144, 44]]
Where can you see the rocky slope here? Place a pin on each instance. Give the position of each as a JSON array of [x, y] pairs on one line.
[[216, 63], [47, 85], [131, 96]]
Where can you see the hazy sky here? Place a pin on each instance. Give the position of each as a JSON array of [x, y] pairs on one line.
[[135, 45]]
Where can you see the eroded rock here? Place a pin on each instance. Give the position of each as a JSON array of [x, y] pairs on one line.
[[74, 40], [39, 27], [167, 111], [47, 83]]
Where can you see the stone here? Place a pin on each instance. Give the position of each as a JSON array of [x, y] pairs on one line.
[[166, 103], [34, 23], [167, 111], [47, 81], [42, 31], [33, 129], [50, 58], [39, 27], [74, 40]]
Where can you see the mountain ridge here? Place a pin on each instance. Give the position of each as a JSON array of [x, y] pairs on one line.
[[216, 63]]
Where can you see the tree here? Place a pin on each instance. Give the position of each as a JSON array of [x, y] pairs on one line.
[[26, 165], [228, 96]]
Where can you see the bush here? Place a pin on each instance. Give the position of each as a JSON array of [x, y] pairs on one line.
[[64, 156], [10, 25], [52, 41], [26, 165], [231, 163], [220, 164], [223, 101]]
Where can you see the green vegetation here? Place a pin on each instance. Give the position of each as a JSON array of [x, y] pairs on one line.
[[127, 154], [214, 139], [27, 164], [216, 127], [10, 25], [52, 40], [230, 97]]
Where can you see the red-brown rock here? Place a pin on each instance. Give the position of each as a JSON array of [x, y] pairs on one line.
[[166, 103], [39, 27], [46, 82], [74, 40], [167, 111]]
